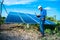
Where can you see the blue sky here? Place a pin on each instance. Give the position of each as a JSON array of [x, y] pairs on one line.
[[31, 6]]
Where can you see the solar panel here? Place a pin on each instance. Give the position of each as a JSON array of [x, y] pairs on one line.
[[15, 17]]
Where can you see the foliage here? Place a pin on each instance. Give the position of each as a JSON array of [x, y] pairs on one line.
[[2, 20], [57, 26], [48, 31], [50, 18], [58, 34]]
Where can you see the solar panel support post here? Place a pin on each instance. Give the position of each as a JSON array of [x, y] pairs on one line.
[[27, 25]]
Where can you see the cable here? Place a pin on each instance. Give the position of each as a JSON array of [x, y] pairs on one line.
[[5, 9], [3, 6]]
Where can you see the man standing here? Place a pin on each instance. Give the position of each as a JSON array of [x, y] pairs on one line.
[[42, 19]]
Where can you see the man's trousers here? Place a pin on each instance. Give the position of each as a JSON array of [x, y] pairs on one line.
[[42, 26]]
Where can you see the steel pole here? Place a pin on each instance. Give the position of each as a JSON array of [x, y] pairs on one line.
[[0, 11]]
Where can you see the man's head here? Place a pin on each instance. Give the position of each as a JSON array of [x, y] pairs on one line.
[[40, 8]]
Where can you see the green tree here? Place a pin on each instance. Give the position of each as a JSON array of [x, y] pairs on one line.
[[2, 20], [50, 18]]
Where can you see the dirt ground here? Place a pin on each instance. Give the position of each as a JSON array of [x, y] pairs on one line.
[[24, 34]]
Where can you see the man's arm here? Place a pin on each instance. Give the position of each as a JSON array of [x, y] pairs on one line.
[[44, 13]]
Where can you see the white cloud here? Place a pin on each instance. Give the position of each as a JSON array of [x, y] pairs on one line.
[[51, 11], [48, 8], [51, 0], [12, 2]]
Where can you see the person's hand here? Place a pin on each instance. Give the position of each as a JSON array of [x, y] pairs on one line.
[[42, 18], [38, 15]]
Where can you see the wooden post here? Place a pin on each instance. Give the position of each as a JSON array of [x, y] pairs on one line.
[[27, 25]]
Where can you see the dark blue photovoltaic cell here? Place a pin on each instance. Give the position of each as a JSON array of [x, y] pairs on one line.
[[14, 17], [26, 18], [37, 19], [34, 17]]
